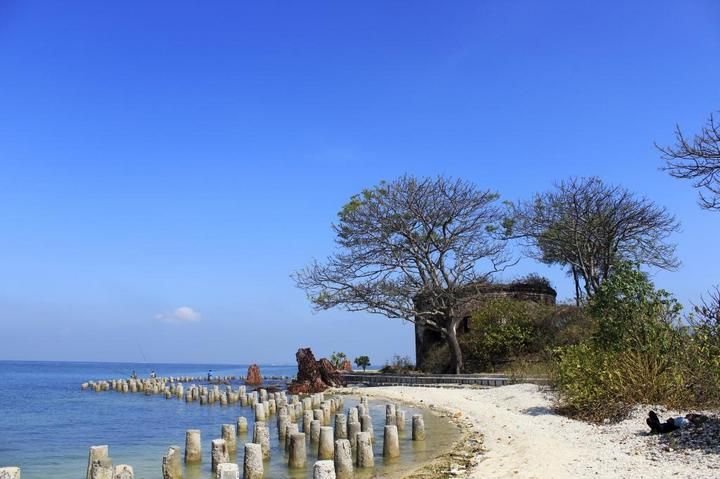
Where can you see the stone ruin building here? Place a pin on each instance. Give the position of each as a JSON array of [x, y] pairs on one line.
[[473, 297]]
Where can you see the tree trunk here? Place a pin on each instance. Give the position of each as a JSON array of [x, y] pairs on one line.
[[456, 361], [577, 286]]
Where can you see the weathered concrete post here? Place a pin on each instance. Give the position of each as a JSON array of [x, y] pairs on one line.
[[418, 427], [353, 415], [172, 464], [366, 425], [101, 469], [340, 426], [400, 420], [290, 429], [324, 470], [353, 429], [315, 426], [327, 413], [253, 462], [242, 426], [259, 411], [193, 447], [262, 436], [298, 453], [327, 446], [228, 470], [96, 452], [343, 459], [230, 435], [365, 456], [123, 471], [282, 423], [219, 453], [9, 473], [307, 419], [391, 443], [390, 417]]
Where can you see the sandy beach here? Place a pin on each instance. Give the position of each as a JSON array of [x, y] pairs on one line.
[[524, 438]]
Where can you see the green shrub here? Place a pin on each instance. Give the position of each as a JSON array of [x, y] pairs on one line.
[[637, 353], [513, 334]]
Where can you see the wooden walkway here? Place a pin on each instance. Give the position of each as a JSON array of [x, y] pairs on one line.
[[436, 380]]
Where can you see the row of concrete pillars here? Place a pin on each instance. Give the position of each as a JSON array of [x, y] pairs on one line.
[[338, 447]]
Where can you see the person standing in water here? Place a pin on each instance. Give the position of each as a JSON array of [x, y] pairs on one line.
[[209, 375]]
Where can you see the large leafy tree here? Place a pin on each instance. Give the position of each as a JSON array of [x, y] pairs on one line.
[[589, 226], [697, 159], [429, 238]]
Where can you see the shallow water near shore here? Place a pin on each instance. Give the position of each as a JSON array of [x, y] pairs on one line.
[[47, 423]]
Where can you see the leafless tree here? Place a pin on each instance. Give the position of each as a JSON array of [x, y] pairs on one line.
[[412, 237], [588, 226], [697, 159], [708, 311]]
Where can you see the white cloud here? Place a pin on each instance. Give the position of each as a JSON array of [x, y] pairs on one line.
[[184, 314]]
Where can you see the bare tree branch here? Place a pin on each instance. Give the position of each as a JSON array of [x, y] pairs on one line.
[[588, 226], [697, 159], [411, 237]]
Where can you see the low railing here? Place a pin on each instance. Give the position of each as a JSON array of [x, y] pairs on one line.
[[484, 380]]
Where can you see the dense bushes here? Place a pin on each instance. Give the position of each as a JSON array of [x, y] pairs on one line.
[[505, 332], [638, 353]]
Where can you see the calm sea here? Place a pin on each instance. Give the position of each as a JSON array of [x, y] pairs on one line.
[[47, 423]]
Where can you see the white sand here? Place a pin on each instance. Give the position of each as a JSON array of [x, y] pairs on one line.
[[525, 439]]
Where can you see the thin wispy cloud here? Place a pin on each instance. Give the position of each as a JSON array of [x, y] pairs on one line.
[[183, 314]]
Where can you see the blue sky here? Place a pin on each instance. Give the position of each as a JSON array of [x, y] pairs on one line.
[[176, 154]]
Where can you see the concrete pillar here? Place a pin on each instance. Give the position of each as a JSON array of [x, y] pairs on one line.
[[290, 429], [242, 426], [282, 423], [228, 471], [353, 429], [343, 459], [327, 414], [219, 453], [172, 464], [193, 447], [362, 409], [123, 471], [326, 444], [101, 469], [366, 425], [324, 470], [253, 462], [259, 412], [390, 417], [418, 427], [391, 443], [315, 426], [262, 436], [318, 414], [298, 453], [365, 456], [340, 426], [9, 473], [96, 452], [400, 419], [307, 419], [353, 415], [229, 434]]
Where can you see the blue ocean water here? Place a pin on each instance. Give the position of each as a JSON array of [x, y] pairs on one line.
[[47, 424]]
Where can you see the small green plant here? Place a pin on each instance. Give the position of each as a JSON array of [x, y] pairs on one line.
[[362, 362], [337, 359]]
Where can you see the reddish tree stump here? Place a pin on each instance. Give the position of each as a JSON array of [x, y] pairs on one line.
[[314, 376]]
